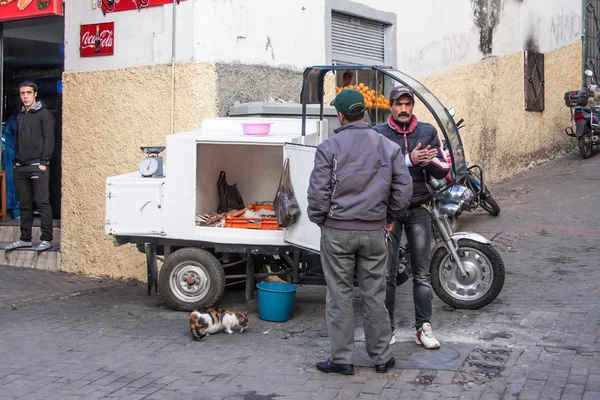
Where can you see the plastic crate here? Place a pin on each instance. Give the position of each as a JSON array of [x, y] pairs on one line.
[[234, 220]]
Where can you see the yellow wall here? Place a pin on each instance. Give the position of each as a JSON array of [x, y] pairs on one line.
[[499, 134], [109, 114]]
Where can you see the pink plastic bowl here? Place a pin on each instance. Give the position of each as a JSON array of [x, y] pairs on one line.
[[256, 128]]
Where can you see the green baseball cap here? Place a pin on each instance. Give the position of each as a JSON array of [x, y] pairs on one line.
[[349, 100]]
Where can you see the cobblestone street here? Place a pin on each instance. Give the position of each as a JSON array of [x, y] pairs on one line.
[[70, 337]]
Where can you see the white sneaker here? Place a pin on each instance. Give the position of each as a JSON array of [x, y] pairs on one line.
[[425, 337], [393, 339]]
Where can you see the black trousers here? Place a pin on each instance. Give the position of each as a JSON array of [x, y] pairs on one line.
[[417, 225], [33, 184]]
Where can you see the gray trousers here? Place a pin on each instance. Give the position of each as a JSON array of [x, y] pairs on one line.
[[344, 252], [417, 224]]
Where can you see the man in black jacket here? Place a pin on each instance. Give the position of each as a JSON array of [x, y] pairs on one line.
[[424, 157], [34, 145], [358, 185]]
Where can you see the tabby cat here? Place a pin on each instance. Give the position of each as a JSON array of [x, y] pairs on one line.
[[213, 319]]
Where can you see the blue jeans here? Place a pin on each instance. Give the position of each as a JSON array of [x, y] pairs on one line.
[[417, 225]]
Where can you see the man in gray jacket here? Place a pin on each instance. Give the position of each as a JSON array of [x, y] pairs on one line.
[[359, 184]]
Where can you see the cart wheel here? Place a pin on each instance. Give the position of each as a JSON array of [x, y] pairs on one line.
[[191, 278]]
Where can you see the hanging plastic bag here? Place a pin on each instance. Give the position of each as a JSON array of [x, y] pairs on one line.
[[229, 195], [286, 206]]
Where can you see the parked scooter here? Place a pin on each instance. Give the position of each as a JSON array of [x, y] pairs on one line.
[[585, 112], [473, 179], [467, 272]]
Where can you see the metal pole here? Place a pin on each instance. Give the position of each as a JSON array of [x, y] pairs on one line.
[[173, 46], [249, 278]]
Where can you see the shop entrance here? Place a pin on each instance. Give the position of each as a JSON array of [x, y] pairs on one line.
[[33, 50]]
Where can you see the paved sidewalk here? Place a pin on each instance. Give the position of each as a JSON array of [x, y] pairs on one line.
[[20, 287], [539, 339]]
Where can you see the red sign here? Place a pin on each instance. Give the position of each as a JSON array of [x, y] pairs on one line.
[[109, 6], [11, 10], [97, 40]]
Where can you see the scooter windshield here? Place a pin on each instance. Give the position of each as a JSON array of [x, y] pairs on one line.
[[441, 115]]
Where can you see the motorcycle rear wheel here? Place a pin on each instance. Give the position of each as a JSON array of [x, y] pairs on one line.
[[490, 205], [484, 283], [585, 146]]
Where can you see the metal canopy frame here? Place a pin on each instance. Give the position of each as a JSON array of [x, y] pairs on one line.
[[313, 91]]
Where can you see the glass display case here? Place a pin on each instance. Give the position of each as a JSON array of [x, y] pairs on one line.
[[374, 86]]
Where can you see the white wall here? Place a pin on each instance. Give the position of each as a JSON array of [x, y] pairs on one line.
[[436, 35], [432, 35], [243, 31]]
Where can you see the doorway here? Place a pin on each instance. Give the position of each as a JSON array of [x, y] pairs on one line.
[[33, 50]]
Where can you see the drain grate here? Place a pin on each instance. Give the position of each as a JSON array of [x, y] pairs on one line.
[[483, 365]]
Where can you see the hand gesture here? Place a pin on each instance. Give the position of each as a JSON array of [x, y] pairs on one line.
[[422, 157]]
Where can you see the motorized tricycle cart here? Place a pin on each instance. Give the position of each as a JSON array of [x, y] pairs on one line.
[[159, 213]]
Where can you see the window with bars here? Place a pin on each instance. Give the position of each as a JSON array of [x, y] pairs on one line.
[[591, 44], [534, 81]]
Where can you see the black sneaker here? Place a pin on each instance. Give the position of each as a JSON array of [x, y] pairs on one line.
[[331, 367], [383, 368]]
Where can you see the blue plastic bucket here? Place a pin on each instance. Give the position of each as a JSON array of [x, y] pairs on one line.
[[276, 301]]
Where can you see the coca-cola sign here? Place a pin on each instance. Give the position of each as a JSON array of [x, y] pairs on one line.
[[109, 6], [97, 40]]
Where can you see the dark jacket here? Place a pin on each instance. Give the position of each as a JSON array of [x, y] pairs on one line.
[[359, 180], [407, 138], [34, 143]]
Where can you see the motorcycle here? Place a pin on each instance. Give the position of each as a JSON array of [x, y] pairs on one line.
[[467, 272], [473, 179], [585, 116]]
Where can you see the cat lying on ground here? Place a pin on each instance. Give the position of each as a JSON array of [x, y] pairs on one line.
[[214, 319]]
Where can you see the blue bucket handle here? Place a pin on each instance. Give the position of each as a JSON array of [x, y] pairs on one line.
[[279, 287]]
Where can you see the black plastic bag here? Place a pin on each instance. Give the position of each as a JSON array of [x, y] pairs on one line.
[[285, 205], [229, 195]]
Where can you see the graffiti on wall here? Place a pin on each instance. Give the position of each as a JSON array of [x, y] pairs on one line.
[[448, 50], [565, 27], [456, 48]]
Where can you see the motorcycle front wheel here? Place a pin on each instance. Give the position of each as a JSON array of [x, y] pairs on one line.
[[490, 205], [585, 146], [484, 282]]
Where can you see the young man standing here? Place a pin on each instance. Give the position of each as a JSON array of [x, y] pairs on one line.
[[34, 145], [359, 184]]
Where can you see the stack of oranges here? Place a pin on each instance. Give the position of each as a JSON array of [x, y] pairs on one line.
[[369, 94]]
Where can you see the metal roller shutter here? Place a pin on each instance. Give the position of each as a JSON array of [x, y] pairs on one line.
[[354, 39]]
